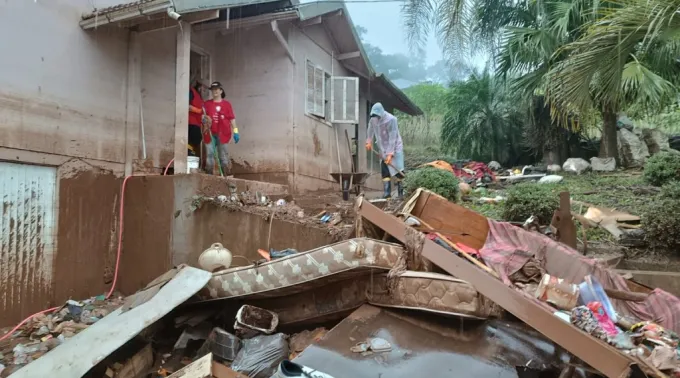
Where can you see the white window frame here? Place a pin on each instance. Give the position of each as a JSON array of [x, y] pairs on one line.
[[346, 80], [318, 113]]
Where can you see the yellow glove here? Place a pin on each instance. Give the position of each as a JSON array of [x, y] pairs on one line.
[[388, 159], [369, 145]]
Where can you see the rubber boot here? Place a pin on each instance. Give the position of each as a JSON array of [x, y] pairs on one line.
[[400, 190], [387, 189]]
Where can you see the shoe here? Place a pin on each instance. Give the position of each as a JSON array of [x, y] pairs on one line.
[[289, 369], [387, 189]]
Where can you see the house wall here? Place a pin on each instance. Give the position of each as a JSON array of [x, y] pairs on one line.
[[256, 74], [315, 140]]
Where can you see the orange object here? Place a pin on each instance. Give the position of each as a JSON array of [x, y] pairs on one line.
[[264, 254], [441, 164], [369, 145], [388, 159]]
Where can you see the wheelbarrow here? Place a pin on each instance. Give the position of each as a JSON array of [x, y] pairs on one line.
[[349, 181]]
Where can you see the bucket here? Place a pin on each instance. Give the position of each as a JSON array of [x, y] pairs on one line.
[[591, 291], [256, 319], [556, 291], [193, 163]]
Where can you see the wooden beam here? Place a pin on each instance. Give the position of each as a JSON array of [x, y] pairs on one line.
[[349, 55], [133, 103], [282, 40], [182, 97]]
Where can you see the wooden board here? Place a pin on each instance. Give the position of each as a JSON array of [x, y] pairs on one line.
[[200, 368], [458, 224]]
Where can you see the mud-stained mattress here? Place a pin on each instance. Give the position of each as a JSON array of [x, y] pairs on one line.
[[433, 292], [342, 261], [420, 291]]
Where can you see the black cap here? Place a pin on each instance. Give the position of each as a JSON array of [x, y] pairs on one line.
[[216, 84]]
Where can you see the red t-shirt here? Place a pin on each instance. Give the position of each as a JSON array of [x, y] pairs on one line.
[[221, 114], [195, 100]]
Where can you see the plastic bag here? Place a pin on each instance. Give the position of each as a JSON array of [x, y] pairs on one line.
[[260, 356]]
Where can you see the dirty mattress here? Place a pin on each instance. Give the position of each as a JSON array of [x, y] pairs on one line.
[[333, 280], [303, 271]]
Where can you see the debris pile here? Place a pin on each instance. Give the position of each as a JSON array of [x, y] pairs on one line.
[[308, 313]]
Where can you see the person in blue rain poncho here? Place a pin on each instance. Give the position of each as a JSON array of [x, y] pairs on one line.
[[383, 127]]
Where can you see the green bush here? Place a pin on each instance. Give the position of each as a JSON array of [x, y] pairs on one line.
[[662, 224], [671, 190], [525, 200], [437, 180], [662, 168]]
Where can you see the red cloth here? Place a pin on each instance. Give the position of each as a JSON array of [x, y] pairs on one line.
[[196, 101], [508, 248], [480, 170], [221, 114]]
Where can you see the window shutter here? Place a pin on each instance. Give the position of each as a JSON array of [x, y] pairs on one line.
[[345, 99], [310, 87], [319, 92]]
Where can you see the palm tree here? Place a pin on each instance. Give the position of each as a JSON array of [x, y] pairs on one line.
[[482, 121], [628, 56]]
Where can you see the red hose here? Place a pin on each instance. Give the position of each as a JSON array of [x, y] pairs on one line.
[[168, 167], [115, 273]]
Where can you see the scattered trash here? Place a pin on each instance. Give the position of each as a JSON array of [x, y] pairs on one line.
[[260, 356], [557, 292], [550, 179], [256, 319], [372, 345], [280, 202], [554, 168], [496, 199], [289, 369], [222, 344]]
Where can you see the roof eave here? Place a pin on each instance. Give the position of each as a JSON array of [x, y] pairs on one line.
[[95, 20]]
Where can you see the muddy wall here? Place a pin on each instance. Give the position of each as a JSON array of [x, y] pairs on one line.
[[161, 231]]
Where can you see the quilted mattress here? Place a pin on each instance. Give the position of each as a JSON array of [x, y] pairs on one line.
[[420, 291], [303, 271]]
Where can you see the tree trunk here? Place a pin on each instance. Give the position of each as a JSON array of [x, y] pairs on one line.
[[609, 142]]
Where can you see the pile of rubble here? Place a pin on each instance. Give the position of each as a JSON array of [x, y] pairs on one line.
[[339, 310]]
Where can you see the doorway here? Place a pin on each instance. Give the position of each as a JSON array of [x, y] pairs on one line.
[[200, 68]]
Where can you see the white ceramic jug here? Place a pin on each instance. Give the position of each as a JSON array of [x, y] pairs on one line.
[[215, 258]]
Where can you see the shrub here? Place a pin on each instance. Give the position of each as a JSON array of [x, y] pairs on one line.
[[671, 190], [437, 180], [662, 168], [662, 224], [525, 200]]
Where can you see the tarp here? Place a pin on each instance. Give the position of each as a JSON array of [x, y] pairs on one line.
[[508, 248]]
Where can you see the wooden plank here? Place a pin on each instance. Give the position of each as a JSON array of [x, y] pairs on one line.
[[200, 368], [222, 371], [138, 366], [599, 355], [458, 224], [134, 98], [182, 97]]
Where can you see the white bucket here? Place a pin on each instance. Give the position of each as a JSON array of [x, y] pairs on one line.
[[192, 163]]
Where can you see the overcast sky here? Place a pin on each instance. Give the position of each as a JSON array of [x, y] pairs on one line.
[[385, 27]]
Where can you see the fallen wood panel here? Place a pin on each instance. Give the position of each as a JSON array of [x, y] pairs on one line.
[[599, 355], [458, 224]]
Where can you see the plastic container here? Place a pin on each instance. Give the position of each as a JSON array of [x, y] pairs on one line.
[[256, 319], [591, 291], [193, 163], [556, 291]]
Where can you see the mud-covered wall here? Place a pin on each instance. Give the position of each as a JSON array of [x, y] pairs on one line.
[[87, 231]]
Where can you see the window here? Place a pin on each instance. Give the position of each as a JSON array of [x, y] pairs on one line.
[[331, 98]]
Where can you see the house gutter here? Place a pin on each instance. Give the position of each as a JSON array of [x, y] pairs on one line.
[[94, 19]]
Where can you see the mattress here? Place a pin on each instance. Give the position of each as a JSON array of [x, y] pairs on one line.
[[301, 272], [419, 291]]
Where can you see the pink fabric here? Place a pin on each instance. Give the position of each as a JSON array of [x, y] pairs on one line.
[[508, 248]]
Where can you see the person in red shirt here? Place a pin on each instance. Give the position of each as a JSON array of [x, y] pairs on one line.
[[222, 128], [195, 116]]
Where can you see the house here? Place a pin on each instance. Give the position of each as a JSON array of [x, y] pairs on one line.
[[88, 96]]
